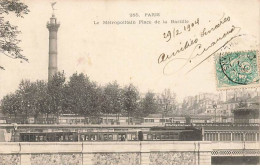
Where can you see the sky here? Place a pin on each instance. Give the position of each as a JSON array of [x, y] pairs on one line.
[[129, 53]]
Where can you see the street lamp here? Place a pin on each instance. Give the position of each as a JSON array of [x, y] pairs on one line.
[[215, 107]]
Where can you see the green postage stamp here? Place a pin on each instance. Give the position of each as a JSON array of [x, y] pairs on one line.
[[237, 70]]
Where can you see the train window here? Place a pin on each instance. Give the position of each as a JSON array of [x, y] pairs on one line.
[[87, 138], [175, 136], [92, 137], [105, 137], [56, 137], [44, 138], [82, 137], [71, 138], [115, 137], [149, 137], [61, 138], [162, 136], [158, 136], [119, 137], [40, 138], [129, 136], [133, 137], [110, 137], [22, 137], [100, 136], [26, 138], [145, 136], [66, 137], [123, 137], [51, 137], [31, 138]]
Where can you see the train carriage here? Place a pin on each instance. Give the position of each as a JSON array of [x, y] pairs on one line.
[[108, 136], [48, 137], [154, 134]]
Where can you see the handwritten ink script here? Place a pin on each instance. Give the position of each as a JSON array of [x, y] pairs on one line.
[[196, 43]]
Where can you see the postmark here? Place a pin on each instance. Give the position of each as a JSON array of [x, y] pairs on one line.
[[238, 69]]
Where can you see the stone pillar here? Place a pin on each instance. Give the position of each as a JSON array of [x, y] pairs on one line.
[[87, 159], [205, 158], [145, 158], [25, 159]]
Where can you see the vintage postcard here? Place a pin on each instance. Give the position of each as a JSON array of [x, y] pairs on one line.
[[129, 82]]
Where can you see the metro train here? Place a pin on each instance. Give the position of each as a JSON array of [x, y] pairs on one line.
[[154, 134]]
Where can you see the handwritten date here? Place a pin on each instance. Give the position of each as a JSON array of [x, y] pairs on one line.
[[175, 32]]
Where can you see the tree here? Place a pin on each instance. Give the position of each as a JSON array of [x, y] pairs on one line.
[[29, 100], [11, 105], [25, 92], [148, 105], [112, 99], [40, 99], [95, 93], [8, 32], [55, 93], [79, 95], [130, 100], [167, 101]]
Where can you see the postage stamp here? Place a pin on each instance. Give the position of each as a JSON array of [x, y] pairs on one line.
[[237, 70]]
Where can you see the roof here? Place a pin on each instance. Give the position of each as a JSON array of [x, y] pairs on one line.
[[202, 117], [155, 116], [252, 107]]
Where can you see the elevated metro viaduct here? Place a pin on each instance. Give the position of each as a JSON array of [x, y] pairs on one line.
[[210, 131], [222, 144]]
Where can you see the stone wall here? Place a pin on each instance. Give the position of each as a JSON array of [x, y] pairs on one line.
[[120, 153], [116, 159], [172, 158], [9, 159], [56, 159]]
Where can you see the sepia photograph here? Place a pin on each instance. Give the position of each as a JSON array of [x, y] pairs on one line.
[[129, 82]]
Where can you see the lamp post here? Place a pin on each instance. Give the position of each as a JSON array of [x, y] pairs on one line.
[[14, 133], [215, 107]]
